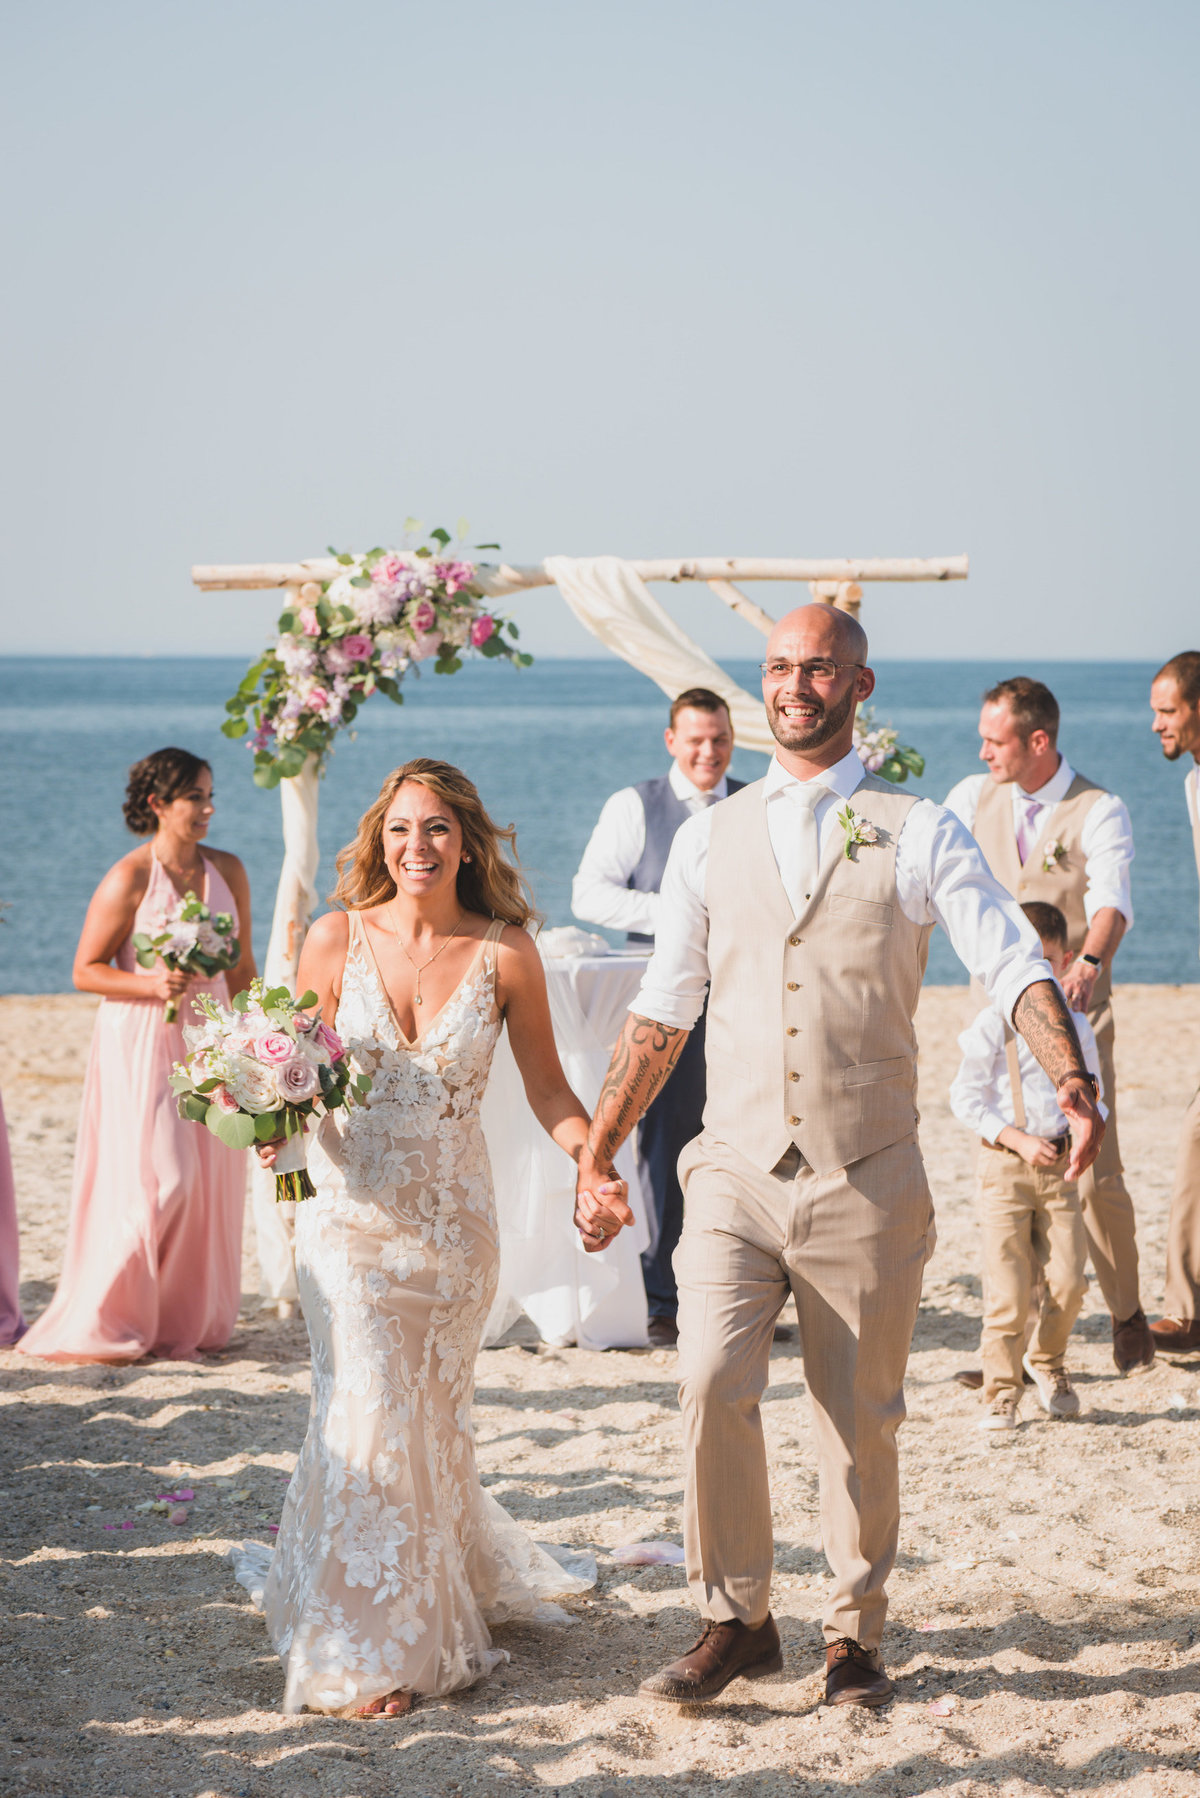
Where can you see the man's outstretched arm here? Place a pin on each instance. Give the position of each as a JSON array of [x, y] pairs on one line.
[[646, 1052], [1045, 1023]]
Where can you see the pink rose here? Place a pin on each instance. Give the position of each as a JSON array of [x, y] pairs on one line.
[[330, 1040], [298, 1080], [358, 648], [318, 701], [310, 624], [273, 1048], [422, 617], [482, 629], [425, 646], [387, 571], [223, 1099]]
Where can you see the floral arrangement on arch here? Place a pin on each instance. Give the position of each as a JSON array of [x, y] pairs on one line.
[[882, 752], [382, 613]]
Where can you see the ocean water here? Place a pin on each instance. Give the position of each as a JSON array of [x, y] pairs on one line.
[[545, 745]]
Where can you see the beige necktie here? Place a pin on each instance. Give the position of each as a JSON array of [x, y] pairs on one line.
[[800, 855]]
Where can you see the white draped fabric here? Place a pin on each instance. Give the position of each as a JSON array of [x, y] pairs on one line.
[[598, 1300], [615, 604]]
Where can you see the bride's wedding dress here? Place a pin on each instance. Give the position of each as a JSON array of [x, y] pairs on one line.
[[390, 1555]]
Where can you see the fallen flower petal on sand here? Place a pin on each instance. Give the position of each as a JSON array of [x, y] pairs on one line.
[[942, 1707], [649, 1554], [177, 1514]]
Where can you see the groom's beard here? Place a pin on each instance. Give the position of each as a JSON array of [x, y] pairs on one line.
[[1172, 755], [811, 733]]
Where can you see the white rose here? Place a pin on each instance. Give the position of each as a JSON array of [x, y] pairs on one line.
[[253, 1086]]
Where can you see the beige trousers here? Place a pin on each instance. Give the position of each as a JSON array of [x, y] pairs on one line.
[[1029, 1219], [1182, 1298], [851, 1247], [1108, 1219]]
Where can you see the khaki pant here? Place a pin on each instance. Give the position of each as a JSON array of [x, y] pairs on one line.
[[1183, 1228], [851, 1246], [1108, 1219], [1030, 1222]]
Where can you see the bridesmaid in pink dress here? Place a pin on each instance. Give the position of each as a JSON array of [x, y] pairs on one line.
[[153, 1258]]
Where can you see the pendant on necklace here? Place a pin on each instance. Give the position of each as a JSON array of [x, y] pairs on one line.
[[417, 999]]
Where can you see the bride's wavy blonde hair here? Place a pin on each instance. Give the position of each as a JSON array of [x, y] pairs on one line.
[[489, 883]]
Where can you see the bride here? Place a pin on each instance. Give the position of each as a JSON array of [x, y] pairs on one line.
[[389, 1554]]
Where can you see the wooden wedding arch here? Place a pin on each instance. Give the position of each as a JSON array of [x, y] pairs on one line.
[[835, 581]]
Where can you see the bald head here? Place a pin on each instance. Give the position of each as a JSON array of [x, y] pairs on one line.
[[840, 636], [815, 677]]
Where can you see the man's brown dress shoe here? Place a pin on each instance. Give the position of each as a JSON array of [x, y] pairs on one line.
[[855, 1675], [663, 1332], [726, 1651], [1179, 1336], [1133, 1343]]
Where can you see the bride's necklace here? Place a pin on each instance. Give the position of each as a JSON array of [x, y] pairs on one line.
[[420, 967]]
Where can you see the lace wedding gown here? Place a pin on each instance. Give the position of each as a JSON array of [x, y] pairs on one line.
[[390, 1555]]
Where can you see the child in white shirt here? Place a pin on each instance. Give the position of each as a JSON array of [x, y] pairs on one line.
[[1029, 1213]]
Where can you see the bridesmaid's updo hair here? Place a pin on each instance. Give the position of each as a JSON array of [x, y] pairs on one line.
[[167, 774], [488, 883]]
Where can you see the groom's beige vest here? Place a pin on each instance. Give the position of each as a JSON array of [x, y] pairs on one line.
[[1065, 882], [810, 1035]]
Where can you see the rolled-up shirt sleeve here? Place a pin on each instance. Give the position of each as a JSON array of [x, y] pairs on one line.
[[1107, 843], [943, 879], [675, 983]]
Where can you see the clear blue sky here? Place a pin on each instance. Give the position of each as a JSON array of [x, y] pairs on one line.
[[653, 278]]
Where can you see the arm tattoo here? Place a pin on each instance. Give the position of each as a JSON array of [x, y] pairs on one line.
[[1045, 1023], [646, 1052]]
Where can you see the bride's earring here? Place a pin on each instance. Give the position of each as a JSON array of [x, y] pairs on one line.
[[466, 858]]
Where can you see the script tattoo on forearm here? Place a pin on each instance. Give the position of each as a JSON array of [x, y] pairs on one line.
[[1045, 1023], [646, 1052]]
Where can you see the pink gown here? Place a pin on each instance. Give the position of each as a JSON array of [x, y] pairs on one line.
[[154, 1240]]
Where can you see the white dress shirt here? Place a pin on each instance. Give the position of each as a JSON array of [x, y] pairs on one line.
[[981, 1092], [1106, 838], [599, 894], [941, 878]]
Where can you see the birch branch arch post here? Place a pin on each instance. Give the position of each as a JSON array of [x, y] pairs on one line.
[[610, 598]]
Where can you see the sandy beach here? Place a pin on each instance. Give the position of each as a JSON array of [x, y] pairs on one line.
[[1044, 1624]]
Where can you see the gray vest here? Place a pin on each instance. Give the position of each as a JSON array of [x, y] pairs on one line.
[[665, 812]]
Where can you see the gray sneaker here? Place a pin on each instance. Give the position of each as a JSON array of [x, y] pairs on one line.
[[1056, 1395], [1001, 1415]]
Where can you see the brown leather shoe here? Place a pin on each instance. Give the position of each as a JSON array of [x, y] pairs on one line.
[[1133, 1343], [1180, 1336], [725, 1652], [663, 1332], [855, 1675]]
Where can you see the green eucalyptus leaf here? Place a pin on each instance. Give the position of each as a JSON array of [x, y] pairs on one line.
[[234, 1128], [267, 1126], [234, 727], [440, 536], [307, 1000]]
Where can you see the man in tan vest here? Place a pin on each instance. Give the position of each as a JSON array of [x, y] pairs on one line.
[[1052, 835], [804, 903], [1175, 697]]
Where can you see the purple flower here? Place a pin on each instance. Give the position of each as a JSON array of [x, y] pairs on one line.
[[298, 1080]]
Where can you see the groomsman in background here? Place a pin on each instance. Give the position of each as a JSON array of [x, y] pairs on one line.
[[1175, 697], [618, 886], [1053, 835]]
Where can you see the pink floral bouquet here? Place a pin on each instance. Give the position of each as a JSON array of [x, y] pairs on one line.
[[259, 1070], [194, 941]]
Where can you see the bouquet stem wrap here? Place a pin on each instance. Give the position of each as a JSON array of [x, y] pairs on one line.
[[292, 1178]]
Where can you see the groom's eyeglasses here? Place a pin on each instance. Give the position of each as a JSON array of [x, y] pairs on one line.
[[821, 670]]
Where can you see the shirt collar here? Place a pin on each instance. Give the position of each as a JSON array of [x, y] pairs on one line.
[[1055, 788], [841, 779], [684, 789]]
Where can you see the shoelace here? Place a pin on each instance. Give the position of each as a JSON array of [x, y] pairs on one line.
[[850, 1650]]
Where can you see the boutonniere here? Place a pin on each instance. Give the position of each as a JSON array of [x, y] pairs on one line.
[[859, 833], [1053, 853]]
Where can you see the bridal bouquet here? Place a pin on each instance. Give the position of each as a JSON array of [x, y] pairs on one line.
[[259, 1070], [194, 942]]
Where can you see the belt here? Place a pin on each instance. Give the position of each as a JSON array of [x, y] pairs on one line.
[[1060, 1145]]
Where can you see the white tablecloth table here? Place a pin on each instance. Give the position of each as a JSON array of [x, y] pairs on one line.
[[597, 1301]]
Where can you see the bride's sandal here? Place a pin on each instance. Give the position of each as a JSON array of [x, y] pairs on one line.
[[392, 1704]]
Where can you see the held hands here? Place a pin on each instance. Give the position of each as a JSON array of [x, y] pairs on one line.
[[1035, 1151], [1079, 983], [600, 1208], [1077, 1102]]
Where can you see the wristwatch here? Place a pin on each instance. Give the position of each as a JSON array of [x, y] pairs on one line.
[[1093, 961], [1081, 1074]]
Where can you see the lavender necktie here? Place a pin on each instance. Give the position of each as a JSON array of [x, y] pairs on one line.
[[1027, 829]]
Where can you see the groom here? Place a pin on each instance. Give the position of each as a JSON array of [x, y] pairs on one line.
[[805, 903]]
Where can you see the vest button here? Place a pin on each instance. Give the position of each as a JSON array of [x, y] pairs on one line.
[[793, 986], [793, 1120], [793, 1076], [795, 941], [792, 1030]]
